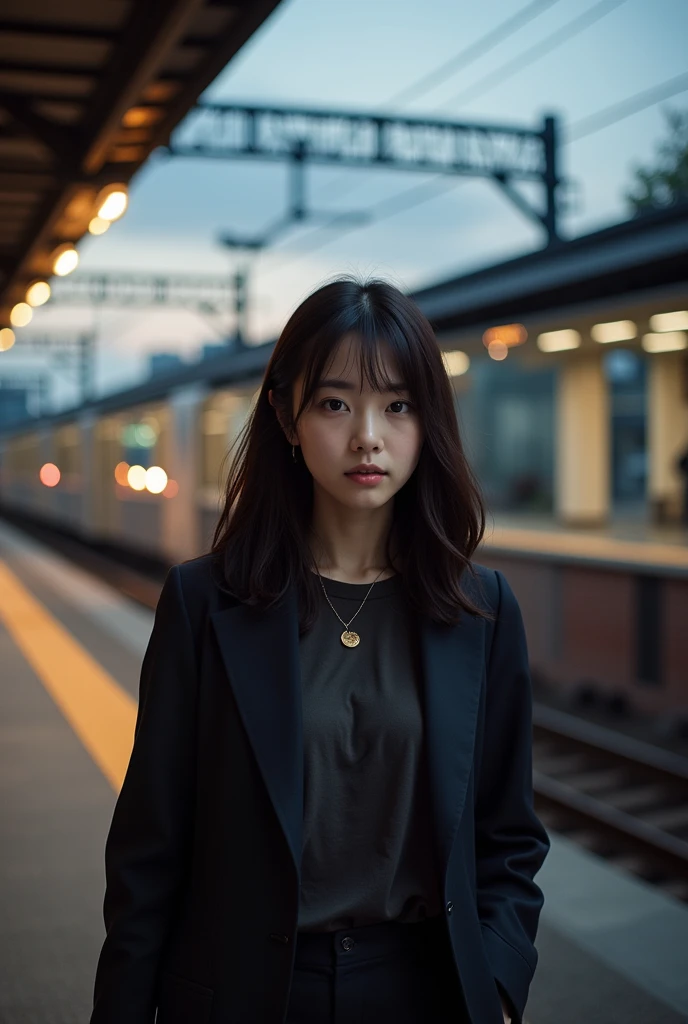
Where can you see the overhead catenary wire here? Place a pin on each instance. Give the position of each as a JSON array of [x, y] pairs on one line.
[[472, 52], [578, 130], [457, 63], [428, 81], [625, 108], [397, 203], [427, 190], [386, 208], [543, 48]]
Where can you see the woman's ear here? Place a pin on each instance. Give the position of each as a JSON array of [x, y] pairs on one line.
[[279, 418]]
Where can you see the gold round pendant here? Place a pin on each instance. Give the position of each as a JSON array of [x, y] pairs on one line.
[[350, 639]]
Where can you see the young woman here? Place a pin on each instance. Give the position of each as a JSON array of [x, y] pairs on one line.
[[327, 815]]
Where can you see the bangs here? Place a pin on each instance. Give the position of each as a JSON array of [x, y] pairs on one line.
[[371, 336]]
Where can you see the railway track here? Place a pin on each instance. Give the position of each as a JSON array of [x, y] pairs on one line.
[[623, 799]]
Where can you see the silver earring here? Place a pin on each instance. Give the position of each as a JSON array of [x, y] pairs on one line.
[[293, 453]]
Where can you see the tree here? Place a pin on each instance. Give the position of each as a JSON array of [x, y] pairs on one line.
[[666, 182]]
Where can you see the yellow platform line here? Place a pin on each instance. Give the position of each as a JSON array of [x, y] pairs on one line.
[[99, 710]]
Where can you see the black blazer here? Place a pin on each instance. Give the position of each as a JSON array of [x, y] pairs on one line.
[[203, 854]]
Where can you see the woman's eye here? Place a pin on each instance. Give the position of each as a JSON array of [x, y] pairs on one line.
[[324, 403]]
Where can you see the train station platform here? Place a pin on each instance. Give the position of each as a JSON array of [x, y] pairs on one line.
[[611, 947], [627, 542]]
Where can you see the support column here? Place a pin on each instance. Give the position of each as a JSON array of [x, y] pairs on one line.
[[89, 489], [667, 433], [582, 449], [41, 499], [181, 534]]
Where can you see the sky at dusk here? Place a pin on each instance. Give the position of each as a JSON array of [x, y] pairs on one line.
[[575, 58]]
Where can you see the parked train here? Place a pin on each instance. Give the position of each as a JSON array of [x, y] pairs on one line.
[[142, 471]]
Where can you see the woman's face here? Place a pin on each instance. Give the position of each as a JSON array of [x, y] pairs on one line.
[[347, 424]]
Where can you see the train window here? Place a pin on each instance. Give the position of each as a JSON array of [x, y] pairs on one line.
[[68, 452], [23, 457], [143, 437], [222, 418]]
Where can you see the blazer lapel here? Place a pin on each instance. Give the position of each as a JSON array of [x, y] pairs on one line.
[[453, 667], [260, 652]]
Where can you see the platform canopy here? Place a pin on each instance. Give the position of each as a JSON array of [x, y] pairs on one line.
[[88, 89]]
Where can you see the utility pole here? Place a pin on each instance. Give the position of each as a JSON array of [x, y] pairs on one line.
[[296, 213], [241, 306], [550, 179], [86, 349], [42, 395]]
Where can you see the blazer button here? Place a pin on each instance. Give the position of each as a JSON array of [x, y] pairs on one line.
[[450, 907], [279, 938]]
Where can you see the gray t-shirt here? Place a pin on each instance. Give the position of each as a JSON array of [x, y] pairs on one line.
[[368, 850]]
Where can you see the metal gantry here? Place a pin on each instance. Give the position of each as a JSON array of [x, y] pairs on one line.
[[205, 293], [124, 288], [503, 153], [75, 350]]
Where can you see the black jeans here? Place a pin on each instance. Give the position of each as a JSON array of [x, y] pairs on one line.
[[401, 973]]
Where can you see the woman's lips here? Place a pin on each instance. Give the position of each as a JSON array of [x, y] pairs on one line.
[[367, 479]]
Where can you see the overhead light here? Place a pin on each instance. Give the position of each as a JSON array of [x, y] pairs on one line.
[[497, 350], [112, 201], [614, 330], [156, 480], [6, 339], [669, 341], [455, 363], [65, 259], [121, 470], [507, 334], [139, 117], [38, 293], [676, 321], [558, 341], [49, 475], [98, 225], [136, 478], [21, 314]]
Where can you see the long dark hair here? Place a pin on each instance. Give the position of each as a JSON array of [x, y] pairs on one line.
[[438, 516]]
